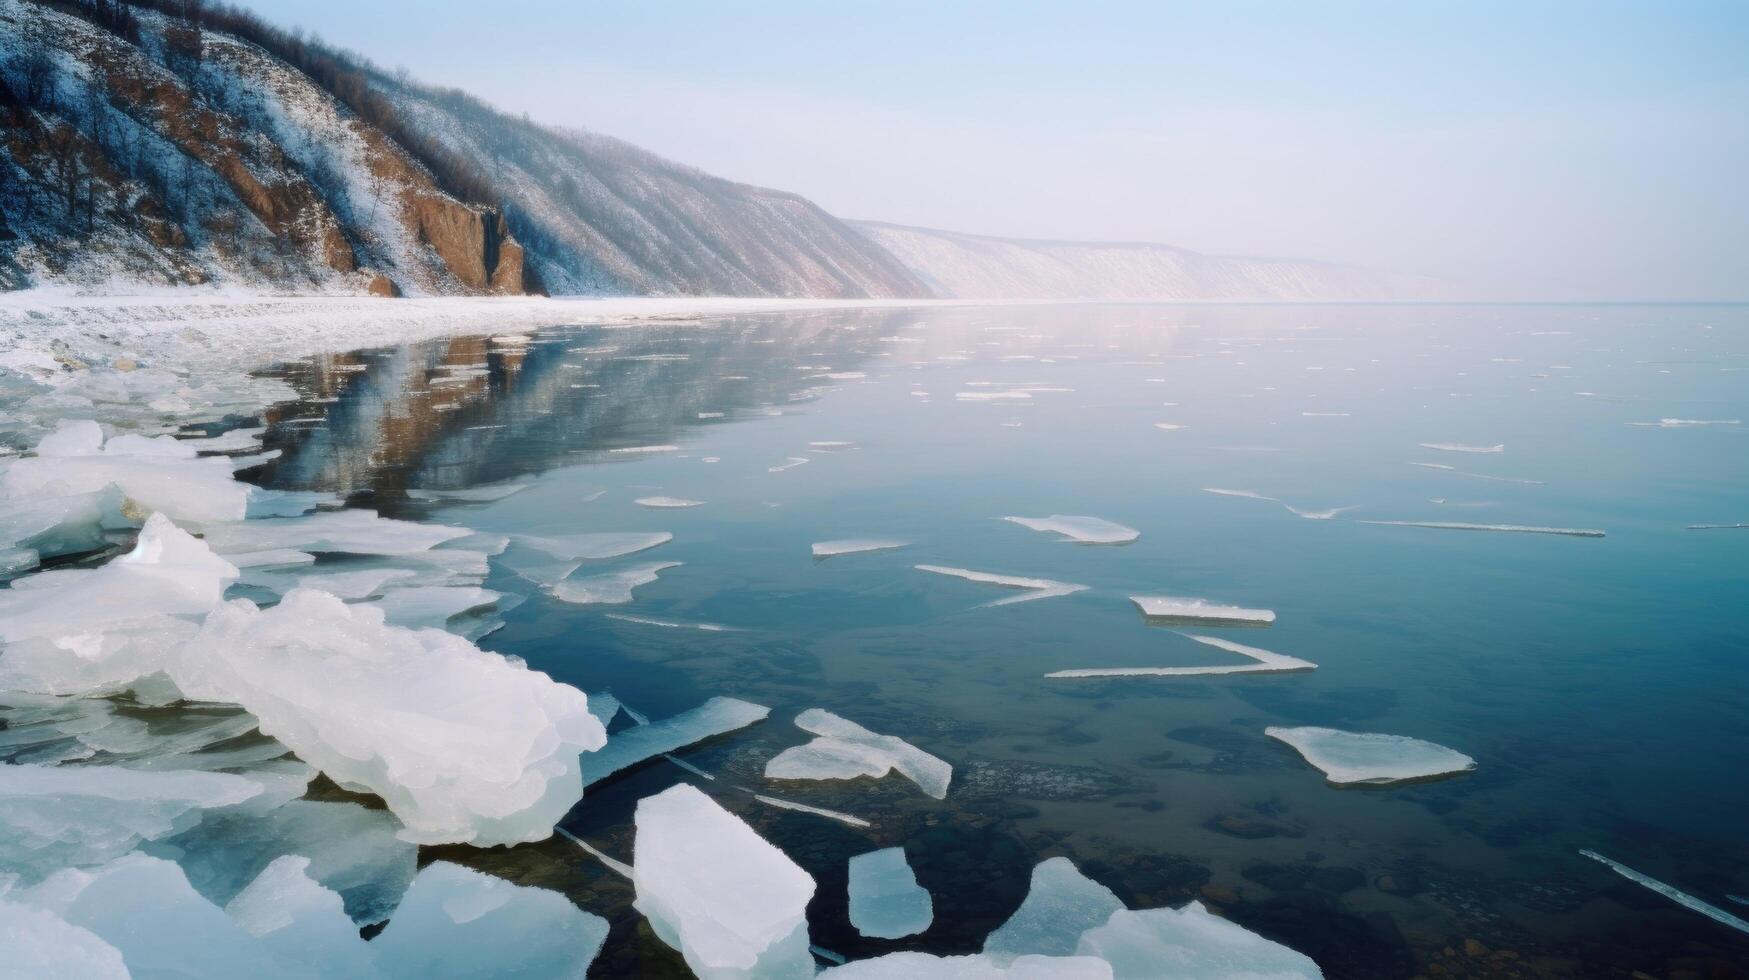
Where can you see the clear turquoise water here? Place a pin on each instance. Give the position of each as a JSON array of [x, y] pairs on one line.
[[1601, 684]]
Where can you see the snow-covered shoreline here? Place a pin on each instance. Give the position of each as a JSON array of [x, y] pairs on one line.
[[254, 327]]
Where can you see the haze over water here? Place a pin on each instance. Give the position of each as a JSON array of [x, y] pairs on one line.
[[1599, 683]]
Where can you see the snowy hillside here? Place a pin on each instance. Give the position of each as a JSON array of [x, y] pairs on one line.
[[977, 267]]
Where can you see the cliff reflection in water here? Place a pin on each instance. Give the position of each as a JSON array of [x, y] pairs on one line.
[[468, 411]]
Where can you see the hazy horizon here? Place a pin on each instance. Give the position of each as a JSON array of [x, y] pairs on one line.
[[1564, 151]]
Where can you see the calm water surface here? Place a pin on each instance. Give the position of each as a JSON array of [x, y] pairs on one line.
[[1601, 684]]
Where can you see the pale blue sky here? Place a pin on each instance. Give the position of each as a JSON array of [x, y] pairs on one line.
[[1548, 150]]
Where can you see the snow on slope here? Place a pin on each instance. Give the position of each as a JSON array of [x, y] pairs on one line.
[[979, 267]]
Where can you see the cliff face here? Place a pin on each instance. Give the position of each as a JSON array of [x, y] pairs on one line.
[[150, 150], [981, 267]]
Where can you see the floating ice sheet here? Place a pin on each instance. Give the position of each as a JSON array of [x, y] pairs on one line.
[[1572, 532], [1183, 609], [1061, 904], [1459, 447], [854, 546], [161, 474], [610, 587], [926, 966], [667, 503], [1687, 423], [469, 495], [1348, 758], [712, 888], [646, 741], [464, 746], [356, 532], [885, 900], [1250, 494], [1032, 588], [1080, 529], [846, 750], [1265, 662], [1196, 944], [1318, 515], [598, 546], [456, 922], [1683, 899]]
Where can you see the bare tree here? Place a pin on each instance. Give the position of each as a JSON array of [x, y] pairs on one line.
[[38, 72]]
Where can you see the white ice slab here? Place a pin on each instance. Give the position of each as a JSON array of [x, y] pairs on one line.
[[456, 922], [926, 966], [1061, 904], [1185, 609], [610, 587], [301, 922], [854, 546], [357, 532], [731, 903], [846, 750], [667, 503], [1681, 898], [1264, 661], [464, 746], [1459, 447], [1368, 757], [39, 943], [1196, 944], [885, 900], [598, 546], [1250, 494], [646, 741], [162, 475], [1031, 588], [1080, 529], [470, 495], [1572, 532]]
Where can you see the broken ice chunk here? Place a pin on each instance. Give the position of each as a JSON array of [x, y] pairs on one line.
[[634, 745], [1459, 447], [1683, 899], [39, 943], [61, 816], [1265, 662], [471, 495], [464, 746], [885, 900], [300, 921], [433, 606], [456, 922], [667, 503], [1032, 588], [1061, 904], [356, 532], [610, 587], [288, 503], [1348, 758], [159, 474], [789, 463], [731, 903], [597, 546], [1178, 609], [350, 585], [1251, 494], [846, 750], [1318, 515], [1080, 529], [926, 966], [351, 849], [1198, 945], [854, 546], [1572, 532]]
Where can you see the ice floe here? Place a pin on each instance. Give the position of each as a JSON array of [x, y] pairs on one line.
[[78, 816], [1079, 529], [647, 740], [1194, 943], [355, 532], [470, 495], [1681, 898], [1460, 447], [712, 888], [1184, 609], [463, 745], [854, 546], [1250, 494], [83, 631], [1348, 758], [610, 587], [299, 921], [1265, 662], [846, 750], [926, 966], [789, 464], [456, 922], [885, 900], [673, 624], [1717, 527], [39, 943], [1686, 423], [1031, 588], [1575, 532], [1061, 904], [1326, 514], [160, 474], [667, 503]]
